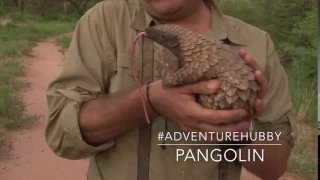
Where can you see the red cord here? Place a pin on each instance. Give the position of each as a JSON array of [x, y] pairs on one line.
[[136, 76]]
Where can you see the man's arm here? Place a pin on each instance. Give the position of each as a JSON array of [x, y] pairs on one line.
[[274, 161], [75, 106], [277, 117], [103, 119]]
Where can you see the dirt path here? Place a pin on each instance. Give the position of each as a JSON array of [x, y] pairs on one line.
[[29, 157]]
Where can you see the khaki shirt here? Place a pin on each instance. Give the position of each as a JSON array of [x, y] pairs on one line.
[[98, 63]]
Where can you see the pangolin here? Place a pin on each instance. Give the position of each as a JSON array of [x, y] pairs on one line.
[[188, 57]]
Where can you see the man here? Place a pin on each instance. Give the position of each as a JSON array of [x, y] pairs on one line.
[[95, 109]]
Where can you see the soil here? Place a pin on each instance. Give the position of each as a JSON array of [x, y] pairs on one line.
[[26, 155]]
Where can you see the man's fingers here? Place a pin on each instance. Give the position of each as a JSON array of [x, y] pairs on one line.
[[253, 64], [258, 72], [202, 87], [262, 83], [249, 60], [258, 107], [242, 53]]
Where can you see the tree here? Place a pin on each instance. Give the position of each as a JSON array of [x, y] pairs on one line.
[[20, 4], [79, 5], [65, 6]]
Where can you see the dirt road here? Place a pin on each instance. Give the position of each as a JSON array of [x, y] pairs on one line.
[[29, 157]]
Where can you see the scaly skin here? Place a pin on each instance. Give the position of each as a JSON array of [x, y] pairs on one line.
[[188, 57]]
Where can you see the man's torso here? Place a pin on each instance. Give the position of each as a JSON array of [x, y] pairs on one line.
[[120, 161]]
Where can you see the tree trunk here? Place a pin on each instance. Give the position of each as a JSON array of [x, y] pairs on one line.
[[80, 6], [65, 5], [43, 5], [21, 5]]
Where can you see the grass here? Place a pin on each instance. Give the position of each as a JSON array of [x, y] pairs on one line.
[[1, 139], [304, 96], [18, 35], [64, 42], [11, 106], [304, 158], [18, 39]]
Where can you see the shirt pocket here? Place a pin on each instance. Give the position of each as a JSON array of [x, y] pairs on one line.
[[123, 79]]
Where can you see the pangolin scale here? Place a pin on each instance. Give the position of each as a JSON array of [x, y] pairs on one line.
[[188, 57]]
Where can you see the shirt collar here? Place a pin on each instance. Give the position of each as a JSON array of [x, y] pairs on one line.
[[221, 28], [142, 20]]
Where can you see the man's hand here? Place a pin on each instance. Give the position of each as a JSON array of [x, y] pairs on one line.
[[275, 157], [180, 106], [261, 80]]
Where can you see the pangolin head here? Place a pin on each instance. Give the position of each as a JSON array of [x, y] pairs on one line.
[[163, 35]]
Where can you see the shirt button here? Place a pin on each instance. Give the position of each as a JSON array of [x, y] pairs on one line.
[[183, 173]]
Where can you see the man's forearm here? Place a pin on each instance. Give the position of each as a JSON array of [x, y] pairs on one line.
[[275, 159], [103, 119]]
